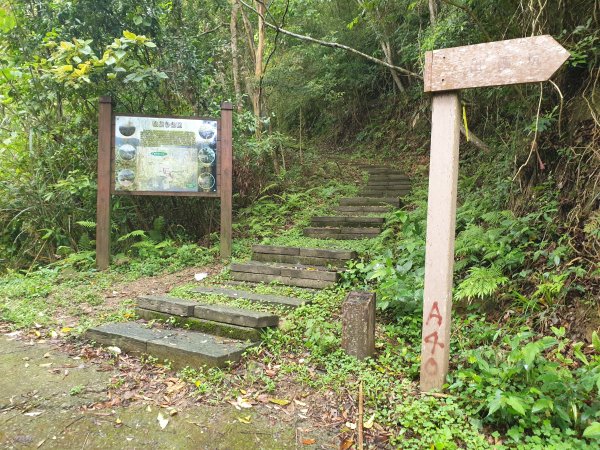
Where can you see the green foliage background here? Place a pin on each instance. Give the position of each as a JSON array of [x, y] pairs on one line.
[[528, 221]]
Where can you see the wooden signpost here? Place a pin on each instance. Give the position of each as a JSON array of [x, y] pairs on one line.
[[515, 61], [166, 156]]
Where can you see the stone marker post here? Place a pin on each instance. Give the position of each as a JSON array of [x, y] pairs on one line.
[[358, 324]]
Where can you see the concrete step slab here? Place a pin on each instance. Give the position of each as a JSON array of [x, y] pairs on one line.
[[168, 305], [181, 347], [304, 260], [225, 330], [236, 316], [278, 300], [338, 236], [388, 177], [347, 221], [384, 193], [287, 281], [354, 210], [370, 201], [286, 270], [389, 184], [313, 252]]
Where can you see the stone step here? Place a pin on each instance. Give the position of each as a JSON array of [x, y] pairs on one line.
[[339, 234], [347, 221], [389, 184], [366, 166], [167, 305], [305, 256], [287, 274], [225, 330], [388, 177], [277, 300], [286, 281], [345, 230], [385, 171], [371, 192], [236, 316], [181, 347], [215, 313], [363, 209], [287, 270], [370, 201]]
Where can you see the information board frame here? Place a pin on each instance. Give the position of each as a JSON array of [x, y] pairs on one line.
[[106, 176], [115, 191]]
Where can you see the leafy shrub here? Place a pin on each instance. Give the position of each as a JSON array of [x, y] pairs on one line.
[[527, 384]]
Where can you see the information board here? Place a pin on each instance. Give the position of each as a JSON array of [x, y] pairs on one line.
[[158, 154]]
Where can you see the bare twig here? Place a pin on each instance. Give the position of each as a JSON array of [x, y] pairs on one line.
[[534, 142]]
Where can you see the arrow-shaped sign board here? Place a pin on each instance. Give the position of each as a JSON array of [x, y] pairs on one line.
[[514, 61]]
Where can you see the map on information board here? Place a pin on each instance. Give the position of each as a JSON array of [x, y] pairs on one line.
[[153, 154]]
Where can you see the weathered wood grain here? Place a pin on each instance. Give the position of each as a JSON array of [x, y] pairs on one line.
[[439, 253], [513, 61], [226, 178], [104, 183]]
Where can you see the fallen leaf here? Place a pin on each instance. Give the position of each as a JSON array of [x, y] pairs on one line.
[[346, 444], [246, 419], [298, 402], [118, 421], [351, 425], [162, 421], [241, 403], [66, 329], [308, 441], [279, 401], [369, 423]]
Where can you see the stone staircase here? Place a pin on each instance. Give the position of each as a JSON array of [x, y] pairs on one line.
[[313, 268], [363, 217], [213, 330]]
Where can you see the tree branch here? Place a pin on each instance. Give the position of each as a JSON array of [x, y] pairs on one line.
[[334, 45]]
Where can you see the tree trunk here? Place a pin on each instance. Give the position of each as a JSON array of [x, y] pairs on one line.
[[258, 64], [235, 8], [387, 51], [432, 11]]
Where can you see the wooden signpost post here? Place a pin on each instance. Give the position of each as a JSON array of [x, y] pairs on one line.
[[514, 61], [166, 156]]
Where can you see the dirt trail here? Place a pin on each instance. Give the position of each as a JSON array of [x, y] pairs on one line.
[[45, 396]]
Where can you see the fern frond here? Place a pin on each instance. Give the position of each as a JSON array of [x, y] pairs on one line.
[[86, 223], [481, 283], [134, 233]]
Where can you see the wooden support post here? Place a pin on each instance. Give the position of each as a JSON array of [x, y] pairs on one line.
[[104, 182], [226, 187], [358, 324], [439, 254]]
